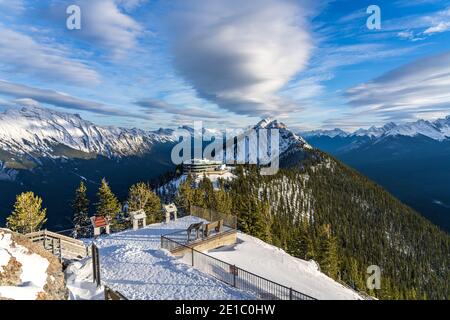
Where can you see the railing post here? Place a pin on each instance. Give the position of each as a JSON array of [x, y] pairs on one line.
[[53, 246], [60, 250], [94, 271], [192, 251], [290, 294], [235, 270], [97, 259]]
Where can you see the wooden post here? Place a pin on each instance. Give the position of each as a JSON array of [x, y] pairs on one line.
[[60, 250], [192, 251], [53, 246]]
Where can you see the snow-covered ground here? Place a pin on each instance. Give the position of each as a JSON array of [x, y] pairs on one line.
[[79, 281], [133, 263], [270, 262], [213, 177], [34, 270]]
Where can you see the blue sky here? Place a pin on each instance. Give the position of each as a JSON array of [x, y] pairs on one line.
[[151, 64]]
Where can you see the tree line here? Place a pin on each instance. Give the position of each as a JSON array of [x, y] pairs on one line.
[[350, 223], [28, 214]]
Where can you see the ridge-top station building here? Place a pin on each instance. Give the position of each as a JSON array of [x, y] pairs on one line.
[[203, 166]]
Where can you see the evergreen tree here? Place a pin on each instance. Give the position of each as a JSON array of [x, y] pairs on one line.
[[328, 256], [140, 196], [185, 196], [108, 205], [80, 208], [27, 215]]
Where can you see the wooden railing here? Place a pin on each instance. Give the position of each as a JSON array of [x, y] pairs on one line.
[[66, 248]]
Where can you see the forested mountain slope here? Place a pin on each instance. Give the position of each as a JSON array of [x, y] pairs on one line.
[[317, 208]]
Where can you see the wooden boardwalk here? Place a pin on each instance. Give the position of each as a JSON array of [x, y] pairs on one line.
[[66, 248]]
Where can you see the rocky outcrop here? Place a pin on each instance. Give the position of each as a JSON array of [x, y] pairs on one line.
[[20, 250]]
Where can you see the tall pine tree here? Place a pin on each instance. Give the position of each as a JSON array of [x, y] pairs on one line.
[[108, 205], [27, 215], [80, 206]]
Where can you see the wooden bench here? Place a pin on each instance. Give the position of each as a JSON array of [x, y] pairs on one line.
[[216, 225], [196, 227]]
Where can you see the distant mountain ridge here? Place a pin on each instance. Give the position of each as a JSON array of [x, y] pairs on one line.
[[437, 130], [410, 160], [33, 132]]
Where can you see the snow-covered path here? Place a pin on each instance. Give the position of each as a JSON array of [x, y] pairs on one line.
[[256, 256], [133, 263]]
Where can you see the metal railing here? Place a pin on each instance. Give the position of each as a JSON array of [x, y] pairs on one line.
[[229, 220], [244, 280]]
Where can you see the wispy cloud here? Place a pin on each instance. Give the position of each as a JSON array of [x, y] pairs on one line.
[[417, 88], [106, 24], [440, 27], [29, 95], [20, 53], [418, 26], [12, 6], [158, 106]]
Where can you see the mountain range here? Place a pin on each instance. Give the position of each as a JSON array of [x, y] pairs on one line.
[[410, 160], [436, 130], [43, 149], [49, 152]]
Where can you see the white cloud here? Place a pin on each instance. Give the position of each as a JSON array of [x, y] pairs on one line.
[[105, 24], [129, 5], [30, 95], [420, 87], [239, 54], [22, 54], [159, 106], [441, 27], [12, 6]]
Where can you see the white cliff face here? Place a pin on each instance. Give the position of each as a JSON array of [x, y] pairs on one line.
[[37, 131]]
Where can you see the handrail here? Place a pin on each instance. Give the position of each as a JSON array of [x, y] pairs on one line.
[[291, 291], [67, 246]]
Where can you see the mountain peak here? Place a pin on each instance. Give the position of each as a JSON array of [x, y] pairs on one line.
[[269, 123]]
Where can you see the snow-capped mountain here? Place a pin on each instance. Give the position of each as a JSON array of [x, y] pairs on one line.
[[329, 133], [399, 156], [437, 130], [288, 139], [36, 132]]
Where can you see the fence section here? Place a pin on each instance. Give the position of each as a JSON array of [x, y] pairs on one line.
[[66, 248], [258, 286], [212, 215]]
